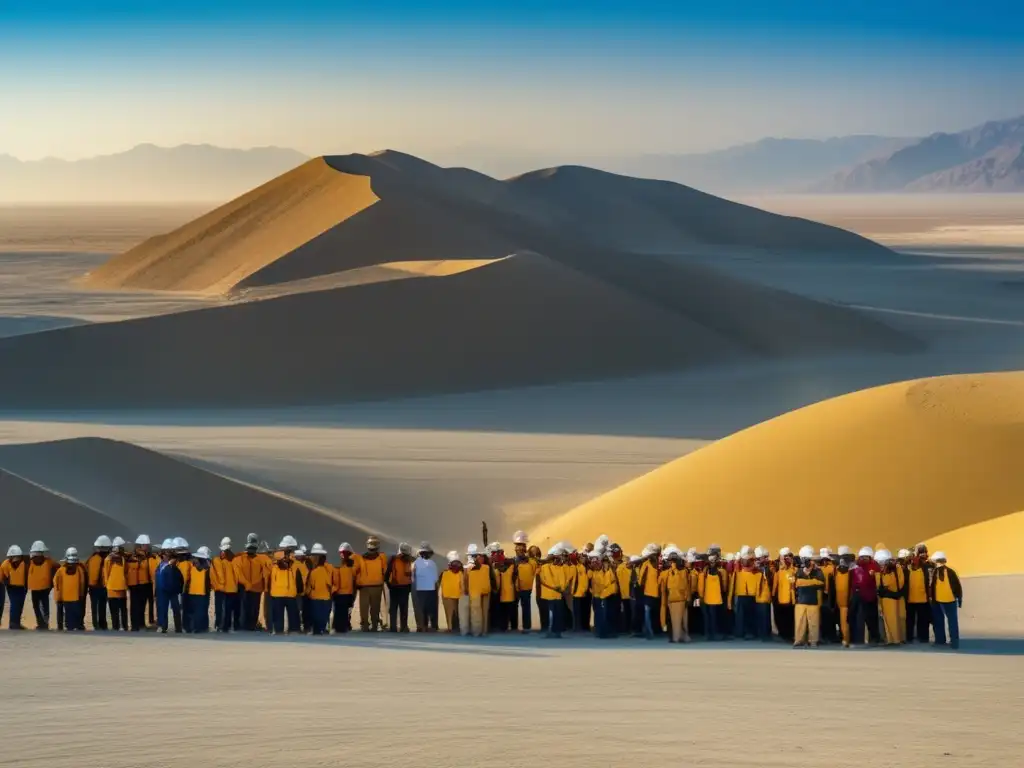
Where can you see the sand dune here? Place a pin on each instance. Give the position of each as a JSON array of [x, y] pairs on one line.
[[516, 321], [899, 463], [988, 548], [345, 212], [123, 489]]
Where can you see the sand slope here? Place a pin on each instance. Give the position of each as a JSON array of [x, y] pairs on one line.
[[218, 250], [144, 491], [898, 463], [344, 212], [516, 321], [988, 548]]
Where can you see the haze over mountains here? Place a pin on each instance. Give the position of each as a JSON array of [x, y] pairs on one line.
[[987, 158]]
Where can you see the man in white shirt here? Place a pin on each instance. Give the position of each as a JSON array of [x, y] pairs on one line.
[[425, 579]]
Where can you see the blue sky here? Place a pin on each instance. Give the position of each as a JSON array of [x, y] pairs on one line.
[[554, 78]]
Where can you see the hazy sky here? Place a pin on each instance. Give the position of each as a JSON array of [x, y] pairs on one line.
[[561, 76]]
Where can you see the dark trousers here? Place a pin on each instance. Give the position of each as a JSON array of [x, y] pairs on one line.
[[919, 619], [98, 607], [651, 615], [199, 613], [785, 621], [118, 613], [656, 616], [586, 609], [306, 614], [424, 603], [827, 624], [604, 624], [763, 619], [41, 607], [343, 612], [150, 605], [250, 609], [60, 616], [580, 614], [398, 607], [226, 611], [137, 607], [3, 597], [613, 613], [638, 612], [863, 614], [74, 616], [526, 607], [320, 616], [555, 614], [508, 616], [744, 617], [543, 614], [16, 595], [943, 613], [168, 601], [279, 606], [712, 620]]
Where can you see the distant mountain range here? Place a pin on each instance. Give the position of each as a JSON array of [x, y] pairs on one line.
[[988, 158]]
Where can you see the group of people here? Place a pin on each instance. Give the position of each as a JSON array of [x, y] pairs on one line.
[[815, 596]]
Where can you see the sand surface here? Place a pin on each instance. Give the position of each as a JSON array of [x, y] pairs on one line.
[[985, 548]]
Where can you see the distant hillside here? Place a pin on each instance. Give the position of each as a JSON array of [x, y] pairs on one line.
[[145, 174], [987, 158]]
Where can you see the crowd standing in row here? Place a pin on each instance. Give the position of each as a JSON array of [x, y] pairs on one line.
[[815, 596]]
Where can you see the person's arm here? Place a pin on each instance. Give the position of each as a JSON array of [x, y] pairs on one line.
[[388, 569], [956, 586]]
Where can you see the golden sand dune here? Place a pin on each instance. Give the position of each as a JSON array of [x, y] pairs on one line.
[[215, 252], [346, 212], [29, 511], [899, 463], [142, 491], [512, 322], [989, 548]]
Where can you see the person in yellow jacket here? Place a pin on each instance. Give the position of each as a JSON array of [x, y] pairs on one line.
[[840, 596], [675, 594], [620, 613], [14, 575], [140, 583], [826, 563], [784, 595], [453, 589], [763, 594], [227, 607], [284, 587], [713, 593], [479, 586], [69, 588], [319, 584], [919, 612], [97, 587], [41, 569], [300, 563], [603, 586], [198, 586], [251, 571], [743, 588], [946, 595], [370, 582], [115, 578], [552, 584], [154, 561], [507, 594], [648, 591], [398, 577], [808, 585], [344, 594], [891, 587], [581, 600], [526, 566]]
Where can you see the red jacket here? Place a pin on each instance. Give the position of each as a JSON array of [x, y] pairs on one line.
[[862, 583]]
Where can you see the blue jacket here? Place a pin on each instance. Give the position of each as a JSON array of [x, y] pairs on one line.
[[168, 579]]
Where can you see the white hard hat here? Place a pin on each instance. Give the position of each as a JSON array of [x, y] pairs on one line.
[[520, 537], [143, 540], [473, 550], [168, 544], [102, 541], [745, 551], [645, 552], [71, 555], [883, 556], [225, 544], [635, 558], [806, 552], [655, 548], [903, 553], [866, 552], [180, 543], [785, 551], [729, 557], [554, 551], [405, 548], [424, 547], [203, 553], [453, 557], [317, 549], [824, 553], [14, 551], [117, 542], [344, 547], [300, 550], [37, 548], [692, 551], [759, 551], [289, 542], [844, 550], [938, 556], [691, 558], [602, 541], [494, 546]]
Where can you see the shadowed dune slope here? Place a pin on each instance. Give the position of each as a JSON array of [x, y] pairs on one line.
[[218, 250], [989, 548], [898, 463], [144, 491], [513, 322], [29, 511], [345, 212]]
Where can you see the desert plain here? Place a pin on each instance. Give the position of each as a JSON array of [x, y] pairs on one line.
[[335, 371]]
